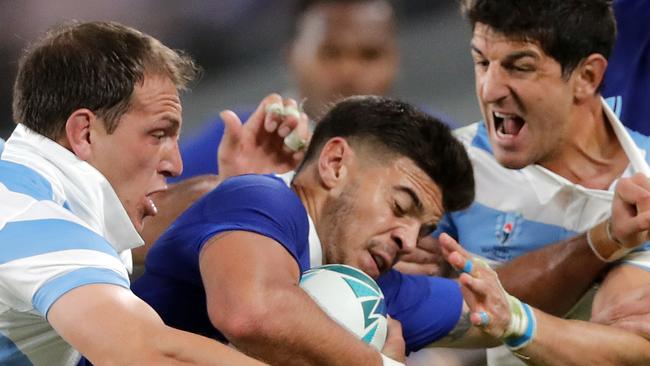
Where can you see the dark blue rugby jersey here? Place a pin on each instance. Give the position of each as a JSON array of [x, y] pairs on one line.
[[428, 307]]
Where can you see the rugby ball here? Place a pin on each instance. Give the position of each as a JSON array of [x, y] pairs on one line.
[[351, 298]]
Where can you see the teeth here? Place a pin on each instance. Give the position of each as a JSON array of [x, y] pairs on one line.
[[503, 115], [152, 206]]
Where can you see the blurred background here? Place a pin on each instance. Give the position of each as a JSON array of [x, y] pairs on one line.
[[241, 46]]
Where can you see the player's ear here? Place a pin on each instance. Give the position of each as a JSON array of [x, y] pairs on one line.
[[333, 162], [588, 76], [77, 133]]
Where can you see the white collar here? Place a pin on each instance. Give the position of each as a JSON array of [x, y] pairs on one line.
[[315, 248], [85, 190]]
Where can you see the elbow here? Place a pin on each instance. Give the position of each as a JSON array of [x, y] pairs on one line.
[[244, 323]]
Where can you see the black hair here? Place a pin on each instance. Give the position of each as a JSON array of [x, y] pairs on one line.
[[566, 30], [401, 129]]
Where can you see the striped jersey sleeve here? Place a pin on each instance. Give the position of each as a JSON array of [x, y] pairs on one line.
[[45, 250]]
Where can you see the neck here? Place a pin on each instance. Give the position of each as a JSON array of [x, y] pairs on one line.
[[310, 197], [591, 155]]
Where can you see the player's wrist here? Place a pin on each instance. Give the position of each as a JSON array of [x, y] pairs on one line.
[[522, 327], [604, 245]]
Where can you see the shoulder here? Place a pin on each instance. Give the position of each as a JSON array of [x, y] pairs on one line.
[[260, 190], [18, 178], [474, 136]]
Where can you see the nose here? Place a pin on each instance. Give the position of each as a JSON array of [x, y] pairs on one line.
[[349, 72], [171, 164], [406, 238], [493, 86]]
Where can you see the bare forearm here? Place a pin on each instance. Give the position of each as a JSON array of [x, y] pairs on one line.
[[284, 334], [553, 278], [184, 348], [572, 342]]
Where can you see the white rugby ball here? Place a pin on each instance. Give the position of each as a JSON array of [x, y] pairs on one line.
[[351, 298]]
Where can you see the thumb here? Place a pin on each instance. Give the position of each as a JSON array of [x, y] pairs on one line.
[[232, 128]]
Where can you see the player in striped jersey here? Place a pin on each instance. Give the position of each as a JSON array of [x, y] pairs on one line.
[[547, 158], [98, 113]]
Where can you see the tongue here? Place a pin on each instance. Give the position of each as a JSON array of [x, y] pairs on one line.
[[511, 126]]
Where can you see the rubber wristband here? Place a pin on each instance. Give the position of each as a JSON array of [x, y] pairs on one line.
[[387, 361], [600, 237]]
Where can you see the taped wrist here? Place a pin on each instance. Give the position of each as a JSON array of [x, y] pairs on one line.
[[522, 327], [604, 245]]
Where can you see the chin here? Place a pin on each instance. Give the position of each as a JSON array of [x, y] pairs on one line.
[[510, 160]]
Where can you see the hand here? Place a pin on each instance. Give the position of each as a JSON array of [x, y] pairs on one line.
[[426, 259], [481, 289], [258, 145], [630, 312], [630, 220], [394, 347]]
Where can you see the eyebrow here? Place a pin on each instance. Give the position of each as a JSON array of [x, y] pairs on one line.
[[174, 123], [416, 200], [511, 57]]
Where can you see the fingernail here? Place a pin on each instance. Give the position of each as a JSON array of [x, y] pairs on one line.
[[271, 126], [283, 131]]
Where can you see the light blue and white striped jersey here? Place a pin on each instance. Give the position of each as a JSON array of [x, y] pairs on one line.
[[61, 227], [519, 211]]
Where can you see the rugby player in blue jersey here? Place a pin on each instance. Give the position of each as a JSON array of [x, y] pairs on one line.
[[377, 176]]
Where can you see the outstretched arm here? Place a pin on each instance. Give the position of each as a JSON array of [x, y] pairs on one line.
[[534, 336], [109, 325]]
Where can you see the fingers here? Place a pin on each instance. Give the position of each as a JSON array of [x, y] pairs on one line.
[[232, 128], [394, 347], [449, 245], [427, 269], [631, 210], [430, 244], [480, 319], [290, 117]]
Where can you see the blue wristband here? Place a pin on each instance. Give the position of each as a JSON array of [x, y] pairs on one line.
[[515, 343]]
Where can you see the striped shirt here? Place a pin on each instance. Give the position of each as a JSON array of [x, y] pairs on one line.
[[519, 211], [59, 221]]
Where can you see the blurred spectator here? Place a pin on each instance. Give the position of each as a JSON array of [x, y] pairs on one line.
[[338, 48]]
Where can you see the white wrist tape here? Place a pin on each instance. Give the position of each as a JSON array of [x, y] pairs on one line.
[[522, 327], [387, 361]]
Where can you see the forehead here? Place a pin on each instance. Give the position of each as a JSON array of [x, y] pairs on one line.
[[485, 39], [156, 94], [364, 21]]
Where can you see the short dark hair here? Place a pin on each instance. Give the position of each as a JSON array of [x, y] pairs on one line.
[[93, 65], [401, 129], [566, 30], [303, 6]]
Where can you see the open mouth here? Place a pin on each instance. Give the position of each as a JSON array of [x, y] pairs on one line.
[[150, 207], [382, 263], [507, 125]]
